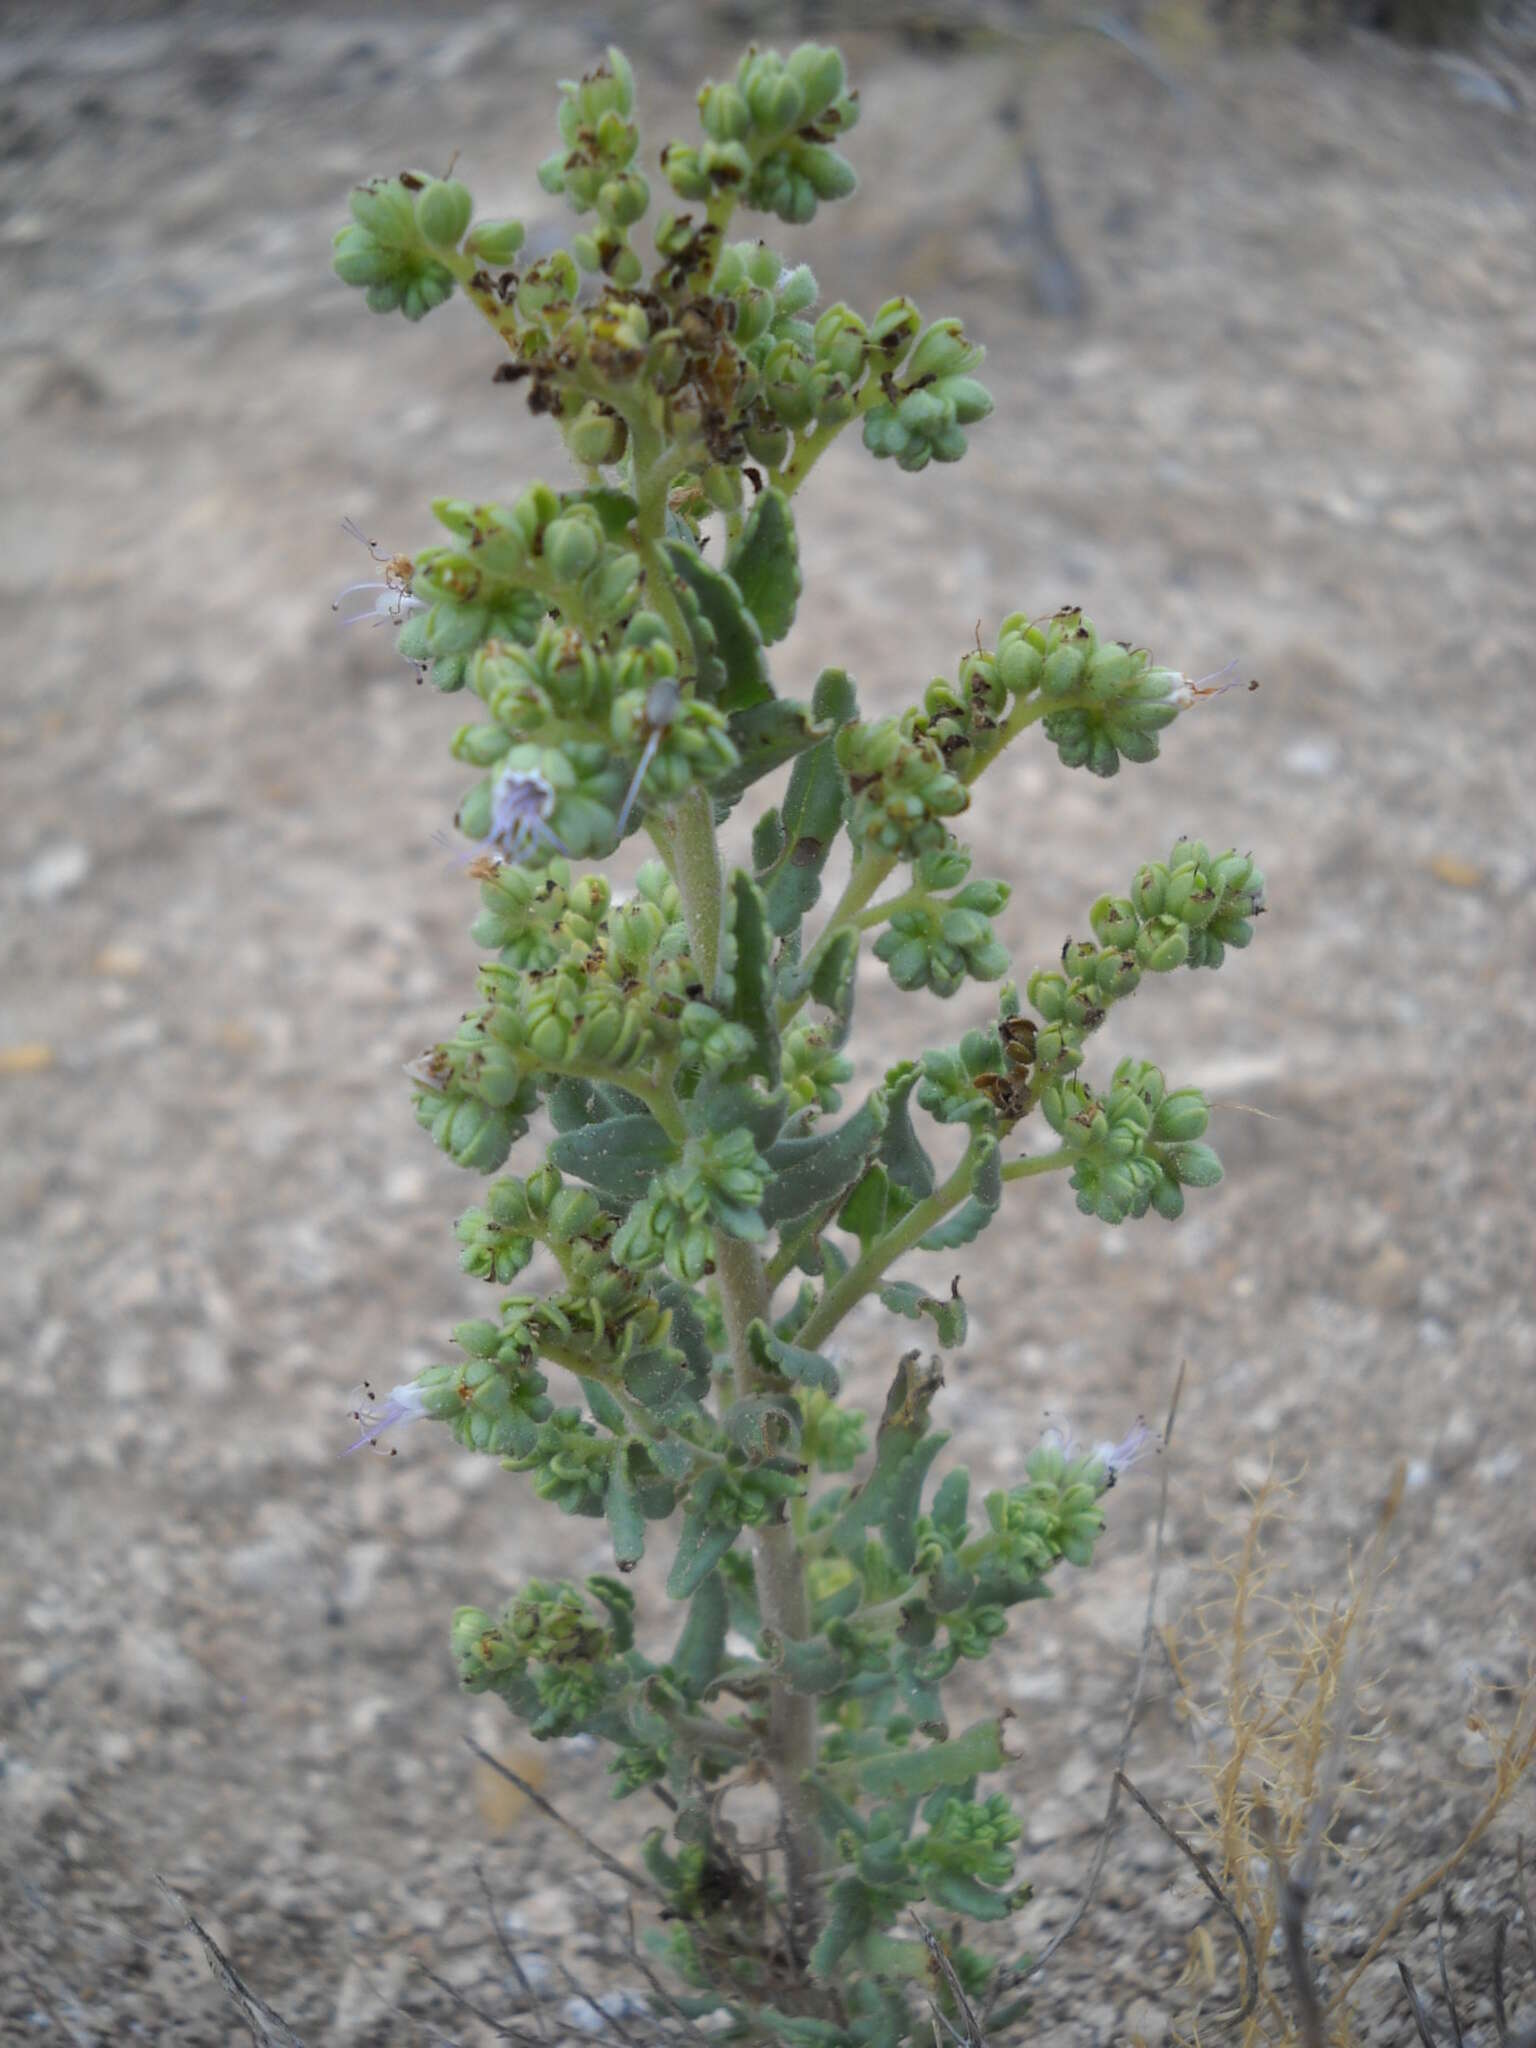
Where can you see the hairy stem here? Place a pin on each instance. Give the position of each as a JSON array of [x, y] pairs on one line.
[[783, 1599]]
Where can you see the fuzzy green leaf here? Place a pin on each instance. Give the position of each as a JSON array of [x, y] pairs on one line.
[[777, 1354], [812, 812], [904, 1450], [901, 1153], [810, 1174], [700, 1650], [755, 1004], [904, 1298], [617, 1158], [700, 1548], [626, 1524], [765, 563], [912, 1773], [738, 642]]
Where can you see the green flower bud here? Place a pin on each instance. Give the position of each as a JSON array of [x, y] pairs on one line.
[[1162, 944], [1062, 672], [471, 1132], [818, 71], [571, 547], [1114, 921], [597, 436], [893, 331], [383, 206], [1194, 1166], [1149, 890], [777, 101], [724, 113], [495, 242], [944, 351], [1181, 1116], [1020, 665], [623, 201], [443, 211], [767, 444]]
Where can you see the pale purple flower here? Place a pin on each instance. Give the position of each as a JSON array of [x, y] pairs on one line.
[[394, 599], [1131, 1449], [388, 608], [521, 801], [400, 1405], [1115, 1458], [1216, 684]]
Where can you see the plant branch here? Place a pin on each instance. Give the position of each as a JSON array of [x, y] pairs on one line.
[[862, 1275]]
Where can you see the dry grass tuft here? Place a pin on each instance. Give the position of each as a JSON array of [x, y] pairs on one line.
[[1274, 1684]]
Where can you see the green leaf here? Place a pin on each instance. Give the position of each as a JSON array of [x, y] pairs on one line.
[[904, 1450], [765, 563], [660, 1381], [765, 737], [832, 979], [574, 1103], [777, 1354], [900, 1150], [719, 1106], [919, 1690], [738, 642], [755, 1004], [951, 1503], [978, 1208], [617, 1158], [688, 1333], [848, 1919], [700, 1650], [957, 1893], [700, 1548], [912, 1773], [866, 1212], [616, 509], [626, 1524], [812, 812], [810, 1174], [605, 1409], [904, 1298]]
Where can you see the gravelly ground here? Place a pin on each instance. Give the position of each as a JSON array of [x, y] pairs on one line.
[[1295, 419]]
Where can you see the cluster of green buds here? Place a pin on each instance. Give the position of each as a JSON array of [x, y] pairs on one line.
[[709, 1209], [768, 136], [937, 942], [1136, 1146], [902, 788], [551, 1650]]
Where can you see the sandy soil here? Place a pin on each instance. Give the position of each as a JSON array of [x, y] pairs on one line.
[[1293, 419]]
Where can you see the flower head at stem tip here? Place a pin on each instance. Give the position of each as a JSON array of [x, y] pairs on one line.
[[1114, 1457]]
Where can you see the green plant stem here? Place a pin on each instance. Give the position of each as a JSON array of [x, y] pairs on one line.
[[783, 1599], [1047, 1162], [862, 1275], [809, 448]]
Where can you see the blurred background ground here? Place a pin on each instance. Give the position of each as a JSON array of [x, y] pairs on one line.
[[1268, 388]]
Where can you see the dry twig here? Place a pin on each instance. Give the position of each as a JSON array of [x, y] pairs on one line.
[[592, 1848], [267, 2028], [1207, 1878]]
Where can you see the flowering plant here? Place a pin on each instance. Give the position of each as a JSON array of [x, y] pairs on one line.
[[711, 1211]]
